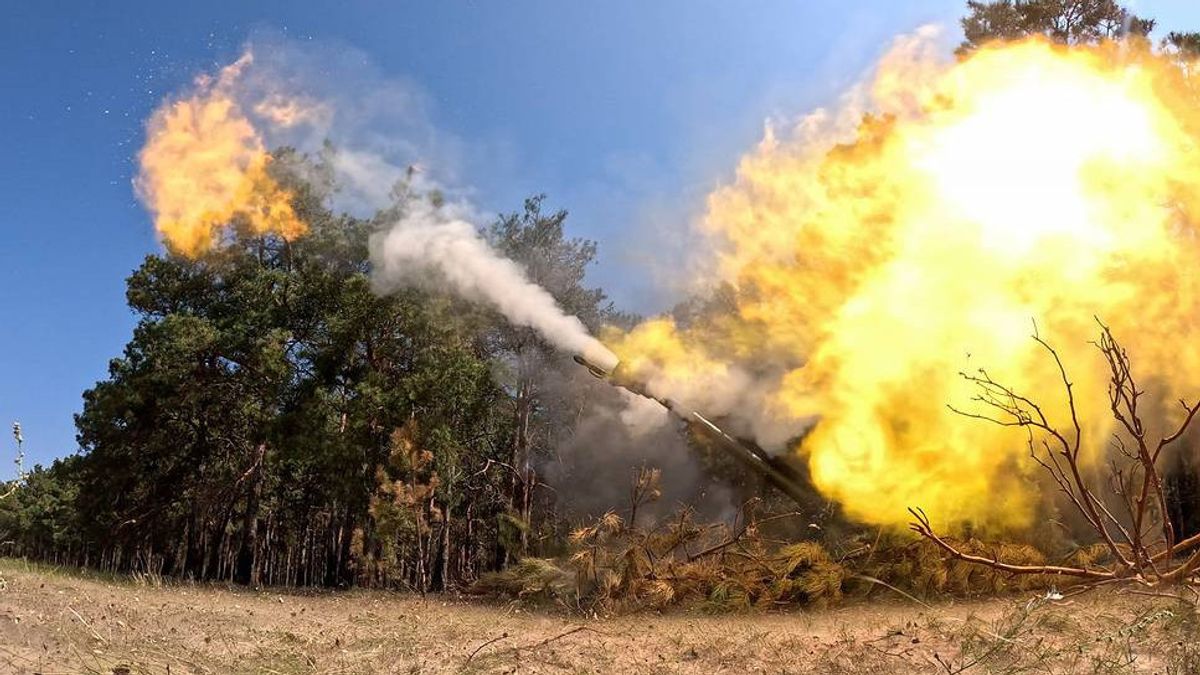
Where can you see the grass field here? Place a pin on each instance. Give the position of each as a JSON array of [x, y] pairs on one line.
[[61, 621]]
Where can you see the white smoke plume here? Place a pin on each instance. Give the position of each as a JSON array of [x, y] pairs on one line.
[[375, 134], [426, 248]]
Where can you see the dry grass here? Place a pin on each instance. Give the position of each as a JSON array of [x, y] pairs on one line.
[[56, 622]]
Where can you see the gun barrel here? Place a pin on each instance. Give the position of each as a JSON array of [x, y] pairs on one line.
[[783, 480], [594, 369], [758, 461]]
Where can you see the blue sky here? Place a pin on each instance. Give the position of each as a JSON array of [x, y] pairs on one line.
[[626, 113]]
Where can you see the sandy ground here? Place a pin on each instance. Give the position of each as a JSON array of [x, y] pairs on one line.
[[53, 621]]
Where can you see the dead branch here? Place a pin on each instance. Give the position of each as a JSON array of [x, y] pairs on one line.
[[489, 642], [1151, 559], [737, 536], [922, 527]]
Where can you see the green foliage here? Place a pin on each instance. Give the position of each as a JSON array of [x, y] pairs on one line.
[[247, 430], [1065, 21], [274, 420], [1186, 45], [43, 512]]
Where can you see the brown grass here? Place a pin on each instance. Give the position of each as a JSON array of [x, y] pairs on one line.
[[55, 622]]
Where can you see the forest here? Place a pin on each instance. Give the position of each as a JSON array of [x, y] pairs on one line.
[[275, 421]]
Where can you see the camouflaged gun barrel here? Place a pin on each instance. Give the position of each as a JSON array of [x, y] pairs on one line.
[[780, 476]]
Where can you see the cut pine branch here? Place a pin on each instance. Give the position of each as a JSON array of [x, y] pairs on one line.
[[921, 526]]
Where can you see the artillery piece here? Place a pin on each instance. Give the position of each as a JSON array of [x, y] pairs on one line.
[[781, 476]]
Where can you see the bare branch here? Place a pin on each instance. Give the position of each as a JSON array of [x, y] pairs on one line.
[[921, 526]]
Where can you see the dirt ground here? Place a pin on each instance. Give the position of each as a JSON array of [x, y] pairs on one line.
[[54, 621]]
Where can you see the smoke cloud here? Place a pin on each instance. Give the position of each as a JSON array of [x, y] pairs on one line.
[[427, 249], [205, 163], [614, 433]]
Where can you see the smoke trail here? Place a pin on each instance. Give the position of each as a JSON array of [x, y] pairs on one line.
[[425, 247], [205, 165]]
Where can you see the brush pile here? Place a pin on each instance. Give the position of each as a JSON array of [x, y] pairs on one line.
[[617, 566]]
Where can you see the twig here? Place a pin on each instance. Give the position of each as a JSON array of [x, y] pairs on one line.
[[737, 536], [1060, 457], [535, 645], [88, 625], [492, 641], [904, 654], [1150, 594], [560, 636], [887, 585]]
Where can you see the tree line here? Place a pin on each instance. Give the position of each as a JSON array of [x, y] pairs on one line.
[[272, 420]]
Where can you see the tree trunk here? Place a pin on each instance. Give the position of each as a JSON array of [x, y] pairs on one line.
[[1183, 494], [246, 569], [446, 548], [212, 565], [345, 574], [522, 470], [193, 559]]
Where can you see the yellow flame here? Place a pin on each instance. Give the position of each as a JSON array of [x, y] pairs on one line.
[[1028, 182], [656, 347], [204, 166]]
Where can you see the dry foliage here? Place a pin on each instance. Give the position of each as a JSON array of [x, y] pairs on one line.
[[1139, 544], [617, 567]]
